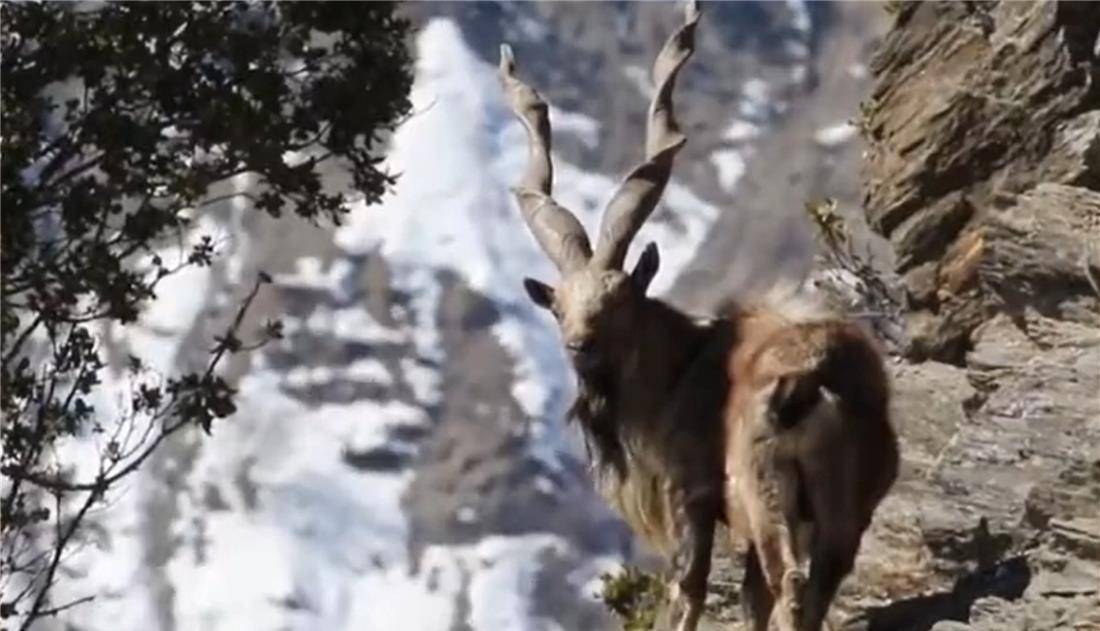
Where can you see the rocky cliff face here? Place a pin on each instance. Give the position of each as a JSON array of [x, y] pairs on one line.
[[981, 169], [983, 163]]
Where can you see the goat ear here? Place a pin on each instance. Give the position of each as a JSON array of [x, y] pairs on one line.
[[541, 293], [646, 267]]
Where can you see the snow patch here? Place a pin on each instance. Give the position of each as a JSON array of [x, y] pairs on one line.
[[740, 130], [638, 77], [579, 125], [835, 135], [370, 370], [755, 103], [730, 165], [424, 381], [857, 71], [801, 14]]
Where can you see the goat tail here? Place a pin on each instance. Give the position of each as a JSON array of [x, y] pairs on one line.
[[844, 366], [793, 397]]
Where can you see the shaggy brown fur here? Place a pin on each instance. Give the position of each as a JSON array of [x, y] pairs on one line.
[[776, 426], [810, 455], [627, 450]]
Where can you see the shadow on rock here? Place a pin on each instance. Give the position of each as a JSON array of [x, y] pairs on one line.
[[1007, 579]]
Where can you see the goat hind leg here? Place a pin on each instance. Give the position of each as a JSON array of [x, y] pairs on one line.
[[828, 567], [782, 576], [837, 539], [757, 601], [776, 528]]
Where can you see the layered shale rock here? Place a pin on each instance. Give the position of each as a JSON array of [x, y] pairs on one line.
[[983, 162]]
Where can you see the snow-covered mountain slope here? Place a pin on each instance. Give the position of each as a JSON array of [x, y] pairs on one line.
[[399, 460]]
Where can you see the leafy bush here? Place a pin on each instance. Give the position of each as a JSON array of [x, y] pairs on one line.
[[634, 596], [123, 123]]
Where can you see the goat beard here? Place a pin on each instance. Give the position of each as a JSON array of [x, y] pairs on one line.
[[595, 411]]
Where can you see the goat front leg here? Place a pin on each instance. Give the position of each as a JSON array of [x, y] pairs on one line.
[[695, 523]]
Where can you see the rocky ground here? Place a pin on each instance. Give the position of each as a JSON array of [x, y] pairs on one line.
[[983, 170]]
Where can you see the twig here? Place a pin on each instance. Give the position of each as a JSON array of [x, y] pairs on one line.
[[53, 611], [21, 339], [102, 482], [35, 611]]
